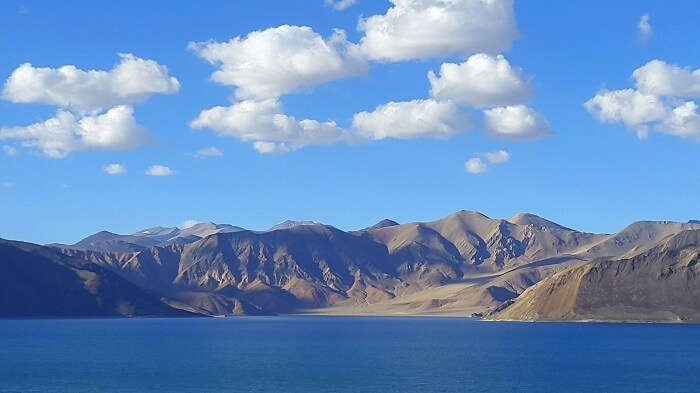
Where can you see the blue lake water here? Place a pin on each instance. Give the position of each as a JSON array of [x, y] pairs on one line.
[[339, 354]]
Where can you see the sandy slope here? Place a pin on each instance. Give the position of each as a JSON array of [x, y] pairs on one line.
[[661, 283]]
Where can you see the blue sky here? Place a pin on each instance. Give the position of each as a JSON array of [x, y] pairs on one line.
[[584, 171]]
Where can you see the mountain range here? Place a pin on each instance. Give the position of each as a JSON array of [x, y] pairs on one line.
[[463, 264], [39, 281], [661, 283]]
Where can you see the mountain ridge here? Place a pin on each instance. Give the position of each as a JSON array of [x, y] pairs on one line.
[[37, 281], [461, 264], [465, 262], [661, 283]]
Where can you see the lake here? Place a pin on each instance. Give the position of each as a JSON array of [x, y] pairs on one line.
[[344, 354]]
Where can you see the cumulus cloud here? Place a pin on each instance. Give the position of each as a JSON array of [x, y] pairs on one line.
[[662, 79], [159, 170], [65, 133], [515, 122], [269, 63], [475, 165], [481, 81], [265, 124], [656, 105], [132, 80], [114, 169], [682, 121], [95, 106], [412, 119], [481, 164], [645, 113], [628, 106], [9, 150], [340, 4], [208, 152], [644, 27], [497, 157], [419, 29]]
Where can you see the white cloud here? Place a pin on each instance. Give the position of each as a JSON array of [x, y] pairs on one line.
[[159, 170], [65, 133], [419, 29], [271, 147], [481, 81], [628, 106], [264, 65], [132, 80], [475, 165], [265, 124], [497, 157], [662, 79], [271, 131], [656, 105], [644, 27], [412, 119], [269, 63], [682, 121], [189, 224], [7, 184], [9, 150], [114, 169], [643, 113], [340, 4], [95, 106], [515, 122], [208, 152]]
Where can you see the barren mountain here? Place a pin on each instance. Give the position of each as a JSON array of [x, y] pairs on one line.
[[311, 266], [637, 237], [38, 281], [461, 264], [288, 224], [661, 283], [141, 240], [382, 224]]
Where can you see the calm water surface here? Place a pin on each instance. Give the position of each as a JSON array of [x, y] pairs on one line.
[[339, 354]]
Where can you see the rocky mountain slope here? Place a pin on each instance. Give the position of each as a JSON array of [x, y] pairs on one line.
[[659, 283], [38, 281], [464, 263]]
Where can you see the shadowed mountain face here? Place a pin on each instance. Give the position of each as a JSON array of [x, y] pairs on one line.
[[38, 281], [661, 283], [277, 271], [463, 263]]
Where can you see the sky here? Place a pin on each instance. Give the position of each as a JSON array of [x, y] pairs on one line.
[[122, 115]]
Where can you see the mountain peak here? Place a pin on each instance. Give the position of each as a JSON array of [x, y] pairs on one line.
[[384, 223], [204, 229], [534, 220], [287, 224], [381, 224], [469, 213], [156, 231]]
